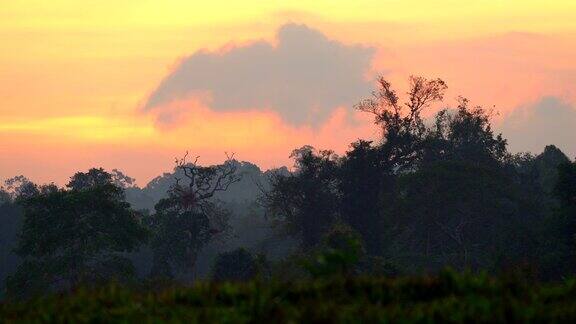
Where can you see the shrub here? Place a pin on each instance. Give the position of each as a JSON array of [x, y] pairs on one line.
[[449, 297], [338, 254]]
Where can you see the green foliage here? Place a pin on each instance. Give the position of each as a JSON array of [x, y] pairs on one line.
[[446, 298], [306, 201], [10, 224], [439, 183], [338, 254], [362, 185], [77, 235], [178, 236], [449, 208], [565, 188], [558, 248], [464, 135]]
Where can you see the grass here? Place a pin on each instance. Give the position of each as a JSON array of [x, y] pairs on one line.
[[446, 298]]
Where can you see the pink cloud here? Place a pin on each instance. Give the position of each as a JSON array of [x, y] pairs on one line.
[[505, 71]]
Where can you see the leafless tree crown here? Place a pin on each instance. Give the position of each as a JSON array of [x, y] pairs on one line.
[[204, 182]]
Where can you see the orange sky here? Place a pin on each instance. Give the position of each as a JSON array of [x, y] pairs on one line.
[[75, 75]]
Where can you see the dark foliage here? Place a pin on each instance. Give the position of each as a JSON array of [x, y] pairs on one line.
[[189, 218], [430, 194], [446, 298], [306, 201], [73, 236]]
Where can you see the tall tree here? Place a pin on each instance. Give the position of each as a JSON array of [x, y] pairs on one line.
[[76, 235], [324, 189], [463, 192], [361, 184], [450, 208], [306, 201], [189, 218], [465, 135], [369, 172], [402, 126]]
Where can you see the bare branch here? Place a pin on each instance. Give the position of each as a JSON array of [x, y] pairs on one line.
[[204, 181]]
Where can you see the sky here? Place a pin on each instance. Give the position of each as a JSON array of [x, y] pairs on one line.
[[132, 84]]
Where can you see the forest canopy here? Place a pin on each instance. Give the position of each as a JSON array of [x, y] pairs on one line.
[[427, 195]]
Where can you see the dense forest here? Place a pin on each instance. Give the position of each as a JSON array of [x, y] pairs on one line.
[[430, 194]]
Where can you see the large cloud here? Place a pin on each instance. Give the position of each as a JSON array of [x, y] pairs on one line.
[[304, 77], [548, 121]]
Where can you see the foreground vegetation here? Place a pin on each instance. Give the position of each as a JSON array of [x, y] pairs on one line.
[[447, 297]]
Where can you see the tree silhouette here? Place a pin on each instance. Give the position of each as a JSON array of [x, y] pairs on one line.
[[189, 217], [401, 123], [76, 235], [305, 201]]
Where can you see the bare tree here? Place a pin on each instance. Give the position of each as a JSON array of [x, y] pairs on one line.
[[203, 182], [190, 217]]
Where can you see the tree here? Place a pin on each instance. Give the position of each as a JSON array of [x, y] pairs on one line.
[[305, 201], [324, 189], [339, 253], [564, 219], [540, 172], [361, 183], [450, 208], [565, 188], [369, 172], [462, 192], [10, 224], [121, 180], [189, 217], [402, 125], [76, 235], [19, 187], [538, 176], [94, 178], [465, 135]]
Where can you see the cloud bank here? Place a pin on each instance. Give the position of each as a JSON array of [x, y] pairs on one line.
[[548, 121], [304, 77]]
